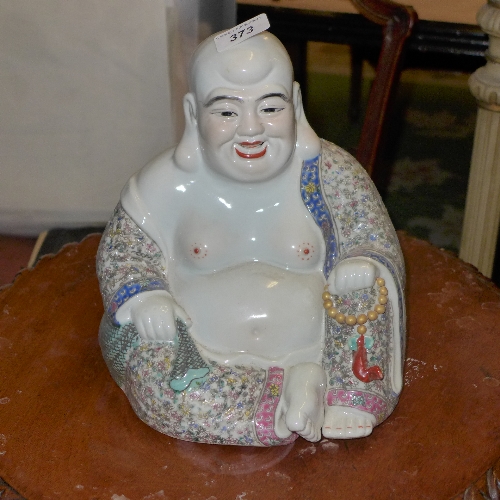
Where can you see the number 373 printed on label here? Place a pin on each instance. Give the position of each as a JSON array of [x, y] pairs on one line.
[[239, 33]]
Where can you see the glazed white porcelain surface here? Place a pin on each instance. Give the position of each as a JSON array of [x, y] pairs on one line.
[[217, 258]]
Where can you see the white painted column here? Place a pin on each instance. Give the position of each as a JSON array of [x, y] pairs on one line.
[[482, 208]]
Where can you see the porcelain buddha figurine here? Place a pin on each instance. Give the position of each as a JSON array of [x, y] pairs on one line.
[[253, 283]]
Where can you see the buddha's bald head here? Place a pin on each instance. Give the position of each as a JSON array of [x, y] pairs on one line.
[[259, 59], [244, 115]]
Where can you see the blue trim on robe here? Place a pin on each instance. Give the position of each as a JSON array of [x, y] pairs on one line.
[[129, 290], [310, 191]]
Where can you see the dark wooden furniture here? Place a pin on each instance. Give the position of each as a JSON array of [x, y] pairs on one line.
[[379, 34], [397, 21], [67, 430]]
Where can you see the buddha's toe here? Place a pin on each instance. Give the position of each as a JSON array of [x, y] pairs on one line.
[[347, 423]]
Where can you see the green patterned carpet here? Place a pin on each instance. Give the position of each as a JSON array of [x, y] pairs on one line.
[[430, 146]]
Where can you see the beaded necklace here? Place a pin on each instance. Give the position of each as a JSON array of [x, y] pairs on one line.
[[360, 366]]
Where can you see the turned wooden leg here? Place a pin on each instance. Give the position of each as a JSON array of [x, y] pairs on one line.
[[482, 208]]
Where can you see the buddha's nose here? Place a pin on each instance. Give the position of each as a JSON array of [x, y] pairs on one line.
[[250, 125]]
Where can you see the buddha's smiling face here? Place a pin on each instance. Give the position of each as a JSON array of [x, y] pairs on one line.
[[243, 100], [247, 134]]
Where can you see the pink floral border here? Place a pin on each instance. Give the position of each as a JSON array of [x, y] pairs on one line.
[[360, 400], [266, 410]]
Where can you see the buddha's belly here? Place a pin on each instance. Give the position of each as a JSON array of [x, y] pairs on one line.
[[255, 311]]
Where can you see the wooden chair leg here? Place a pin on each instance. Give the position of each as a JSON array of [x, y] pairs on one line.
[[398, 21]]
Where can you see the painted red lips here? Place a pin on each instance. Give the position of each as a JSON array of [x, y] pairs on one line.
[[251, 145]]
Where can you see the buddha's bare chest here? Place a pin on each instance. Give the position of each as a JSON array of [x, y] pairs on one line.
[[219, 235]]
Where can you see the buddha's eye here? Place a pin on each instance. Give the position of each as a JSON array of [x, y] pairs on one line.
[[270, 110], [225, 113]]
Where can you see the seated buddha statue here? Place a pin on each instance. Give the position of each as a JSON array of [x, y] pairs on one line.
[[252, 280]]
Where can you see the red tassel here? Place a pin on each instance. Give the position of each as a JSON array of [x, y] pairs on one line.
[[360, 364]]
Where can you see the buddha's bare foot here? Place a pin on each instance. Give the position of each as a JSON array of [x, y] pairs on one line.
[[347, 423], [303, 407]]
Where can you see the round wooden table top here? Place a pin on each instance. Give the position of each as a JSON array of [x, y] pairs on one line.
[[68, 432]]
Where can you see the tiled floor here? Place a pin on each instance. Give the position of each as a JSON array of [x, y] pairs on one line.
[[15, 253]]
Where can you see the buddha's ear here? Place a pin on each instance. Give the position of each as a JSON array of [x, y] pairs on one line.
[[308, 144], [187, 154]]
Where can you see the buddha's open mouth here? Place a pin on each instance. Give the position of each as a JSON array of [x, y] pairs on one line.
[[250, 150]]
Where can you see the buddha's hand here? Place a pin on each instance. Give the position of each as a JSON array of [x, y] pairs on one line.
[[154, 314], [352, 274]]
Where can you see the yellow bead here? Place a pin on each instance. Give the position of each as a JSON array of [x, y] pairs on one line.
[[361, 329], [380, 281], [362, 319], [383, 290], [332, 312], [326, 296], [382, 299], [350, 320], [372, 315], [340, 318], [327, 304], [380, 309]]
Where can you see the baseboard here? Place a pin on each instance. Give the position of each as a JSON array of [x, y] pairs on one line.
[[33, 222]]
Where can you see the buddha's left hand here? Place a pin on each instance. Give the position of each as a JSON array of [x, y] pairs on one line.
[[352, 274]]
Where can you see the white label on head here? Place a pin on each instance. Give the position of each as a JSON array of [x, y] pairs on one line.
[[239, 33]]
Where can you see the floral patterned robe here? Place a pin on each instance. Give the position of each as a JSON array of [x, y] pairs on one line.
[[236, 405]]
